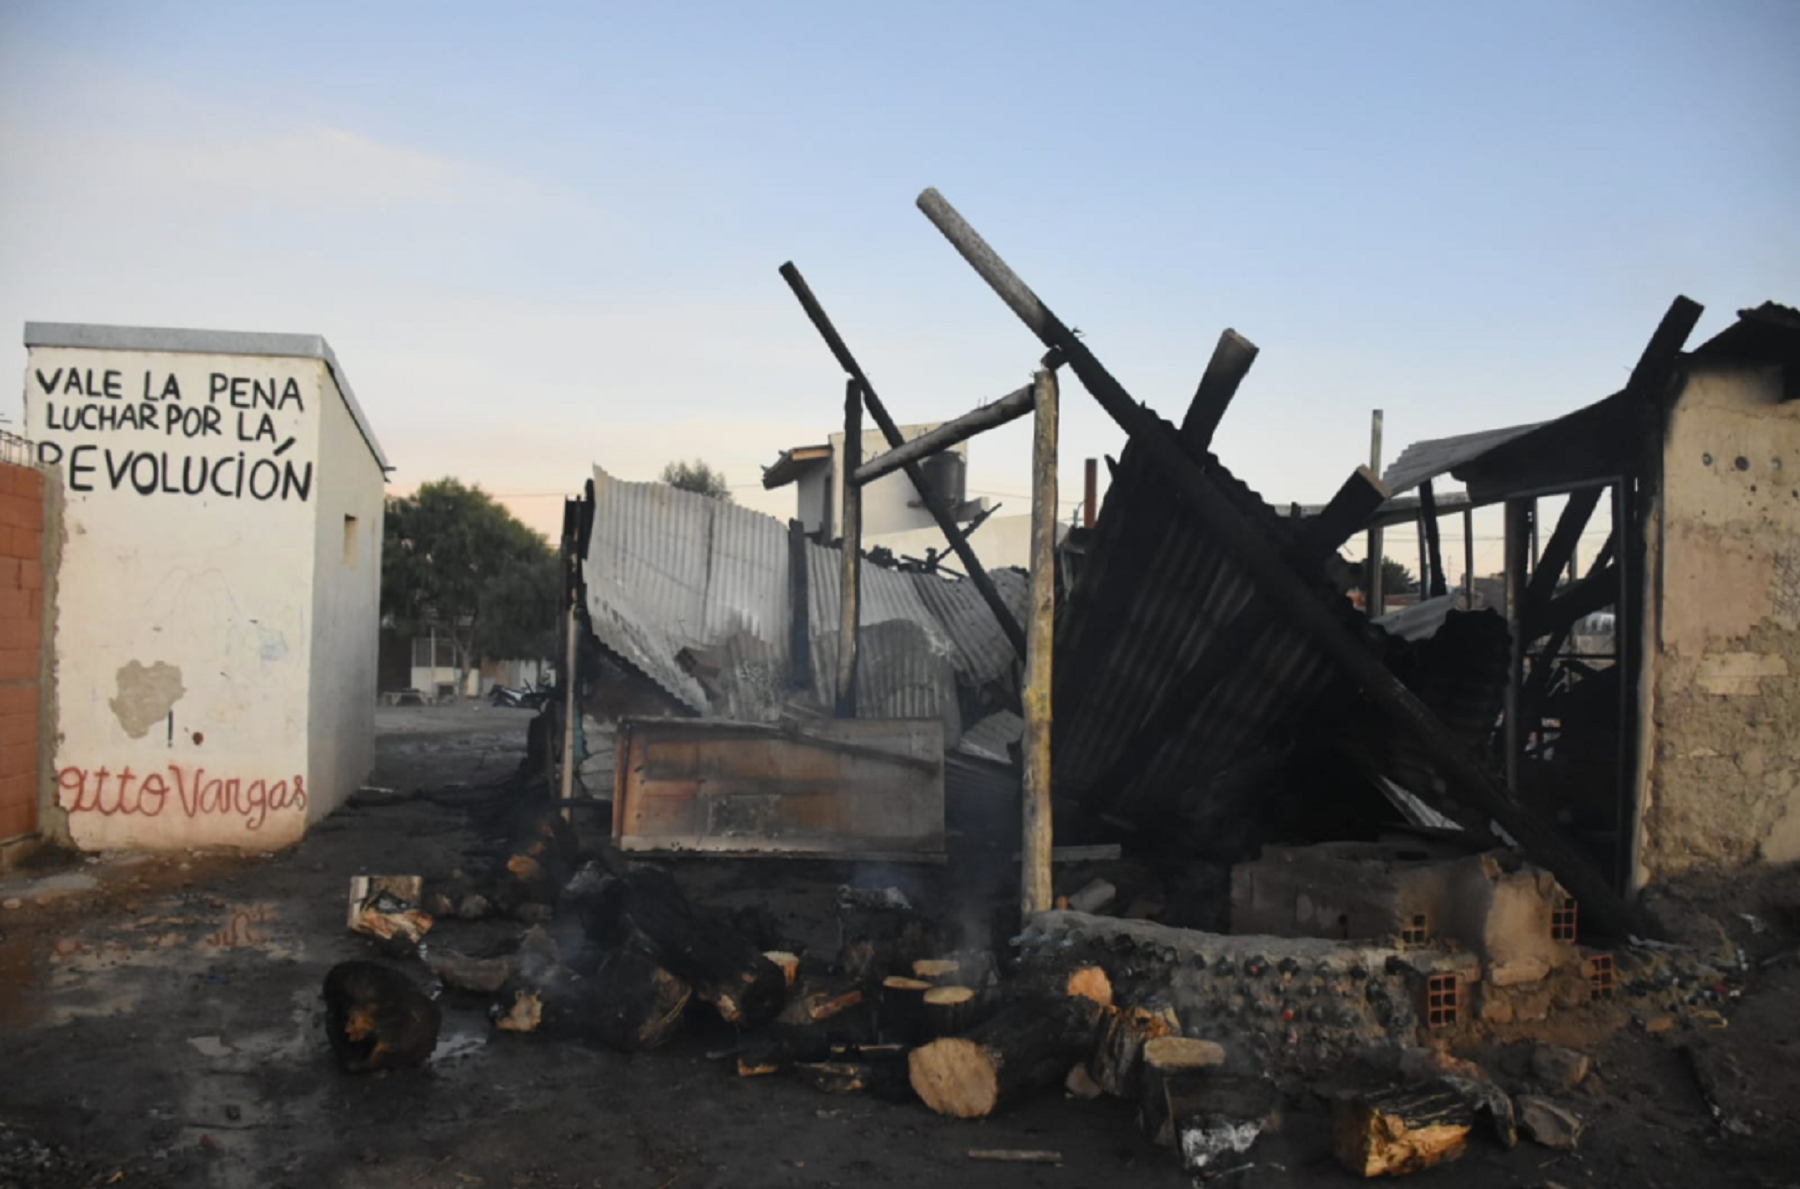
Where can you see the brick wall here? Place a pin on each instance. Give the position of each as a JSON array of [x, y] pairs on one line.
[[21, 642]]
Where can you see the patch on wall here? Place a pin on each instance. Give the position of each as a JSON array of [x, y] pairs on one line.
[[1737, 673], [146, 695], [1784, 596], [1716, 587]]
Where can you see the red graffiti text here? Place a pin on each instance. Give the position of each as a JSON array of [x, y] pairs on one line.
[[189, 791]]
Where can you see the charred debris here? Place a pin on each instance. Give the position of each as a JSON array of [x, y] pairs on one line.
[[1192, 828]]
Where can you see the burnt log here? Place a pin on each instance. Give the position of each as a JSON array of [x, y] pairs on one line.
[[1164, 1064], [633, 1003], [902, 1009], [375, 1018], [1004, 1060], [1402, 1130], [1118, 1058], [726, 970], [949, 1010]]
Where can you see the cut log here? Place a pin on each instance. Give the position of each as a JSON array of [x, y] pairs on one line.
[[967, 968], [815, 1002], [635, 1004], [936, 970], [949, 1010], [480, 976], [1084, 982], [375, 1018], [725, 969], [883, 1078], [1400, 1131], [1119, 1056], [902, 1009], [788, 963], [1094, 897], [761, 1058], [1023, 1049], [1165, 1060], [1080, 1083]]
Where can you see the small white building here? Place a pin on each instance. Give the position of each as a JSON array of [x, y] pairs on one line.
[[218, 583], [893, 515]]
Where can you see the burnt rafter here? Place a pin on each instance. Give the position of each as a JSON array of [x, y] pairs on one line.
[[1467, 776]]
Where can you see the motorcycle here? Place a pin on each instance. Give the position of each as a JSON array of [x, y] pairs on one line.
[[530, 697]]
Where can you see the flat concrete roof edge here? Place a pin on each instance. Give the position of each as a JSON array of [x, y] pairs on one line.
[[94, 337]]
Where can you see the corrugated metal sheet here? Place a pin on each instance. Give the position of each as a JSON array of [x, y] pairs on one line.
[[1427, 460], [670, 572], [1154, 598]]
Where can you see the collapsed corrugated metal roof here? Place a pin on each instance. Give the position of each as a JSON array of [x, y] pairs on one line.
[[693, 593], [1157, 597]]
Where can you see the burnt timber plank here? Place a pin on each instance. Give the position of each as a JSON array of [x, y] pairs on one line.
[[1230, 363]]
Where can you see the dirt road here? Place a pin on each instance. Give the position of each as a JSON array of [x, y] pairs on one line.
[[160, 1026]]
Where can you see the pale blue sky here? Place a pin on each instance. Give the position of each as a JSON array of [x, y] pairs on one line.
[[540, 236]]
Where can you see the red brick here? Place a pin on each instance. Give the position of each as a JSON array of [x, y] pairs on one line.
[[34, 606], [17, 633], [18, 664], [11, 574], [18, 761], [16, 699], [19, 730], [15, 603], [31, 575], [28, 544], [18, 807]]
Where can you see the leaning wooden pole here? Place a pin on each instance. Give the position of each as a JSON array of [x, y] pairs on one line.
[[1466, 775], [1040, 633], [850, 563]]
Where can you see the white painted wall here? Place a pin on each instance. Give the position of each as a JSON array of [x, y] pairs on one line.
[[349, 505], [887, 502], [191, 607]]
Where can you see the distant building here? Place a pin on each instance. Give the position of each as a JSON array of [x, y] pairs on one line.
[[893, 515]]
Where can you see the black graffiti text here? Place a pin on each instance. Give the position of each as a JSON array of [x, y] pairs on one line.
[[159, 473]]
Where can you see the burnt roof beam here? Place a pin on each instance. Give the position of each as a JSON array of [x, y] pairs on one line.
[[1230, 363], [1010, 407]]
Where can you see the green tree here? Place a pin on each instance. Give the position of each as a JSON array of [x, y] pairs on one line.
[[455, 561], [696, 477], [1396, 578]]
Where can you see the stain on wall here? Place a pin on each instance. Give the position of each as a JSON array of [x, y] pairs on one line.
[[146, 695]]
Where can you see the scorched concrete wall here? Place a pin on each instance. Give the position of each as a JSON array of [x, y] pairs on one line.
[[1722, 784]]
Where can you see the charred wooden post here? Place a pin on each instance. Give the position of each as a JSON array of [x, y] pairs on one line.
[[1035, 891], [799, 609], [1428, 518], [1518, 544], [945, 517], [1465, 774], [1349, 509], [850, 560], [1373, 596], [1229, 364], [1090, 492], [1010, 407], [1468, 526]]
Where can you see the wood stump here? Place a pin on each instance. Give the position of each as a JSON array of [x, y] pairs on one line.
[[1024, 1048], [1401, 1130]]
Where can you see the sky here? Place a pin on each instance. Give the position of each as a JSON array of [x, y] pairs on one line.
[[544, 237]]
